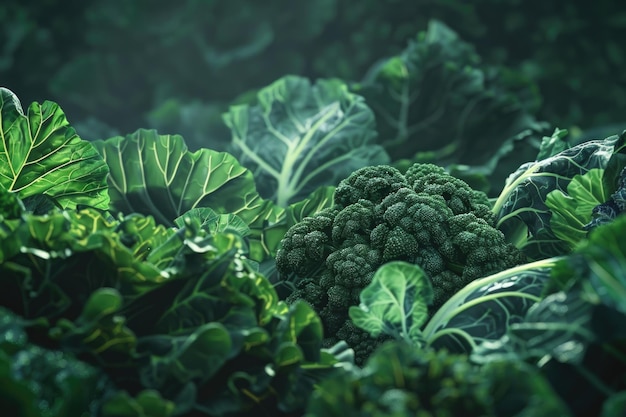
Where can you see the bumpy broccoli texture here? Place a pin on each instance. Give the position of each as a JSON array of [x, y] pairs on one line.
[[424, 216]]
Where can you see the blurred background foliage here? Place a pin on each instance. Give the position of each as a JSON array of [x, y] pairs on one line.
[[118, 65]]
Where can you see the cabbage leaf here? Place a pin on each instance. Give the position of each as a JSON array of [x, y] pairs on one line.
[[299, 136]]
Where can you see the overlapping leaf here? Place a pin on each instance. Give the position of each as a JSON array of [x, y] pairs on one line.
[[484, 310], [572, 211], [523, 215], [156, 175]]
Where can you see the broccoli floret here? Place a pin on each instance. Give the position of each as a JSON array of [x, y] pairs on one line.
[[483, 248], [418, 171], [361, 342], [459, 196], [370, 183], [353, 267], [428, 218], [394, 242], [353, 224], [445, 285], [309, 290], [408, 222], [306, 244]]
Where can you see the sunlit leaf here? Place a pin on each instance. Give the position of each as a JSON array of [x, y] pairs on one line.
[[40, 153], [572, 210]]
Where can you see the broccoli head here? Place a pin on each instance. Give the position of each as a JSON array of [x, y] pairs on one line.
[[425, 216]]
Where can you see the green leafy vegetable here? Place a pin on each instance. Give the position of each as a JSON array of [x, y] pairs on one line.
[[400, 380], [395, 302], [575, 335], [170, 315], [40, 153], [523, 215], [614, 206], [484, 309], [156, 175], [300, 136], [437, 102], [572, 212]]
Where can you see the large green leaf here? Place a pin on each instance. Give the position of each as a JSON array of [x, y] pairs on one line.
[[437, 102], [483, 310], [40, 153], [302, 136], [395, 303], [156, 175], [523, 215]]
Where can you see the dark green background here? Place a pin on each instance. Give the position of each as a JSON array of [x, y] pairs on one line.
[[117, 65]]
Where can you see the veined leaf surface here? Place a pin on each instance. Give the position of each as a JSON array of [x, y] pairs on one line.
[[301, 136], [40, 153], [157, 175]]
